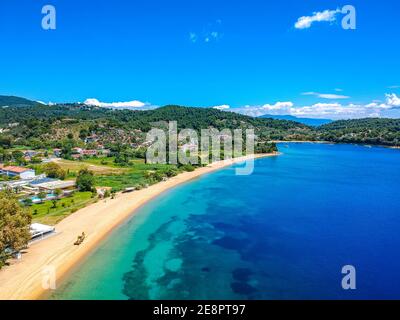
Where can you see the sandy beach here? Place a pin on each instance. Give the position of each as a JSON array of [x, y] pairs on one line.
[[23, 279]]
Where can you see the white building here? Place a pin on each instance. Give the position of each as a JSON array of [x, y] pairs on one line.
[[13, 171], [39, 231]]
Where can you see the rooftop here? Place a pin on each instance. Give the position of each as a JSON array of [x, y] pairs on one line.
[[15, 169], [57, 184], [40, 181]]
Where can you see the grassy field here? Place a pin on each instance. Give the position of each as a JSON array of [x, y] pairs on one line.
[[95, 166], [137, 175], [45, 212], [106, 161], [107, 174]]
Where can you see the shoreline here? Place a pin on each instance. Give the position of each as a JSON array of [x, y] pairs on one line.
[[336, 143], [23, 279]]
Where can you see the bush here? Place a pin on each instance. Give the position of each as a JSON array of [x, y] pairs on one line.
[[53, 170], [85, 180], [14, 226], [188, 167], [171, 172]]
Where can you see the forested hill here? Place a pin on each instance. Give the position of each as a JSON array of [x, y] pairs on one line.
[[57, 125], [10, 101], [201, 118], [196, 118], [367, 131], [57, 122]]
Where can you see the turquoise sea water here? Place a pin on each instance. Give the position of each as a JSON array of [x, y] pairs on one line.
[[284, 232]]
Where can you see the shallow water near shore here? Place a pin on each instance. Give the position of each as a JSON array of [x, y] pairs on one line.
[[284, 232]]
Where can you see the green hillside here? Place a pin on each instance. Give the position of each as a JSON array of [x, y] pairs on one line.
[[375, 131], [51, 124], [11, 101]]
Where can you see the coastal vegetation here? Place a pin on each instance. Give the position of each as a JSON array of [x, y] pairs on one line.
[[14, 227], [51, 212], [105, 149], [375, 131], [70, 125], [85, 180]]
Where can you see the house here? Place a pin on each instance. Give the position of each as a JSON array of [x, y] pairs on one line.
[[30, 153], [57, 152], [77, 150], [39, 231], [91, 139], [189, 147], [13, 171], [90, 153]]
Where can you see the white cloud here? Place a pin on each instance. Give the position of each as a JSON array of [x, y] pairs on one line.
[[222, 107], [135, 104], [275, 109], [215, 34], [211, 33], [305, 22], [193, 37], [334, 110], [338, 90], [392, 100], [212, 36], [394, 87], [330, 96]]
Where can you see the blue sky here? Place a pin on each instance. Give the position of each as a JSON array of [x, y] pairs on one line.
[[247, 55]]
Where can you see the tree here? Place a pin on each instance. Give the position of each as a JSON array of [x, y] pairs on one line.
[[14, 226], [113, 193], [6, 142], [18, 156], [36, 160], [171, 172], [42, 196], [27, 202], [53, 170], [58, 192], [85, 180]]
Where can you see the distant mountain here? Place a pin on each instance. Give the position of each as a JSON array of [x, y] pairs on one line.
[[10, 101], [306, 121]]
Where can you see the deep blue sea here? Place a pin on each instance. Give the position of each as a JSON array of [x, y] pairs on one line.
[[284, 232]]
